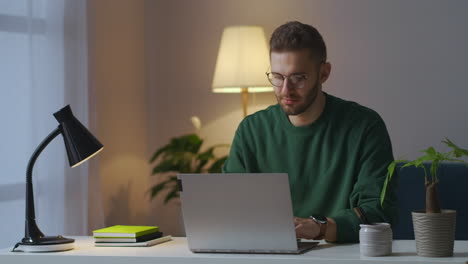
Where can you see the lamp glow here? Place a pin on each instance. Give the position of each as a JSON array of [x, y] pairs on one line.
[[242, 62]]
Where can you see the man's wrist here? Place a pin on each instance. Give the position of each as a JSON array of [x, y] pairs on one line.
[[330, 234], [322, 222]]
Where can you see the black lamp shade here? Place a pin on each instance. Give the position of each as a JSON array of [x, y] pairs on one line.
[[79, 142]]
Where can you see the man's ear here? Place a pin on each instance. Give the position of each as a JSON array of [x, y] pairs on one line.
[[325, 70]]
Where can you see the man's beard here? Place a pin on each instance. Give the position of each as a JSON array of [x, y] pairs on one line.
[[308, 100]]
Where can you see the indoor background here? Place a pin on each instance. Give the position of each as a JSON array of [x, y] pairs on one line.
[[151, 64]]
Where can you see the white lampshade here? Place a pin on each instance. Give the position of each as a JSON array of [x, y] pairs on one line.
[[242, 61]]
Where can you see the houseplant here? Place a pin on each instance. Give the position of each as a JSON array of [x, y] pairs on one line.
[[183, 154], [434, 228]]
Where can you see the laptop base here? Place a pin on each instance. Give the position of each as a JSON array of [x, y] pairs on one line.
[[302, 247]]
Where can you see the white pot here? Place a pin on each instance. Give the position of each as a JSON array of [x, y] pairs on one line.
[[375, 240], [434, 233]]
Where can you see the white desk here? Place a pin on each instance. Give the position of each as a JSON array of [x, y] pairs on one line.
[[176, 251]]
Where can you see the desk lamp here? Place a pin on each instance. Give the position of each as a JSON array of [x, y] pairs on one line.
[[242, 62], [80, 145]]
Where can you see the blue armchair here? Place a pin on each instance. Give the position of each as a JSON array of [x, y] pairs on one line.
[[452, 191]]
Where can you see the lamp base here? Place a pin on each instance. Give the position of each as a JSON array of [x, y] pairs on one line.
[[47, 244]]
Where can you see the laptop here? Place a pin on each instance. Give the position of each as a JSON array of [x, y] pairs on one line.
[[239, 213]]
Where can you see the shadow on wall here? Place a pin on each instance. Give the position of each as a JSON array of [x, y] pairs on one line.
[[120, 207], [119, 212], [167, 216]]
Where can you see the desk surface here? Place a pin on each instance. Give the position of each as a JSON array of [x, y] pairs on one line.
[[176, 251]]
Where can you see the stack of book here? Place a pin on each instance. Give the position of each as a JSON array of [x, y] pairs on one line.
[[129, 236]]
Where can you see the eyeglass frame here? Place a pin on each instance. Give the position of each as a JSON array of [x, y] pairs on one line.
[[306, 77]]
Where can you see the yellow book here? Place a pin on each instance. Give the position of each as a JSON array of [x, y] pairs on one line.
[[124, 231]]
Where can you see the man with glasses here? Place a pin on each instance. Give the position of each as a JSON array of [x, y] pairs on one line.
[[336, 152]]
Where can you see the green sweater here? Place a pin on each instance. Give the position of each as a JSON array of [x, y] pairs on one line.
[[334, 164]]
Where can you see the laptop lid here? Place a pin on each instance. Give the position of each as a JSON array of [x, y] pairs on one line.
[[235, 212]]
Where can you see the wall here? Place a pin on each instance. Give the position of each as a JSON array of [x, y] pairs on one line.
[[405, 59], [118, 78]]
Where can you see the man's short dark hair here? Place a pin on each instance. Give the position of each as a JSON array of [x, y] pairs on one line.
[[294, 36]]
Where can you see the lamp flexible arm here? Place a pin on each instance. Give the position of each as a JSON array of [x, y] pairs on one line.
[[31, 229]]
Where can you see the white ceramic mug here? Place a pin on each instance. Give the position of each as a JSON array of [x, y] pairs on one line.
[[375, 240]]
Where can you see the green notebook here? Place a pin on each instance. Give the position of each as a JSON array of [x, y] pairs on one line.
[[123, 231]]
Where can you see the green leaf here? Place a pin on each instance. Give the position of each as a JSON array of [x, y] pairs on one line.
[[171, 195], [157, 188], [166, 166], [217, 166], [431, 152], [455, 160], [390, 170], [419, 161], [458, 152], [177, 161], [182, 155], [409, 164], [207, 155], [203, 158], [187, 143], [159, 152], [161, 186]]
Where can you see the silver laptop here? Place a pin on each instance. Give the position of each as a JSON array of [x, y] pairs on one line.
[[239, 213]]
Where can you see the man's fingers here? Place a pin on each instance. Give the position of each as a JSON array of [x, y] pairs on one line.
[[306, 228], [296, 222], [299, 220], [299, 231]]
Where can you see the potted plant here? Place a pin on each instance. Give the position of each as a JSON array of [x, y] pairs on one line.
[[183, 154], [434, 228]]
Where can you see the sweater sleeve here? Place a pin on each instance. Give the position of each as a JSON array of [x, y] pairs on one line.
[[374, 156], [236, 159]]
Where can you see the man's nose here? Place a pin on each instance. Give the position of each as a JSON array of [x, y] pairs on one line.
[[286, 88]]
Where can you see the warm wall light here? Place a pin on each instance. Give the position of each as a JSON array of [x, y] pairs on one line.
[[81, 145], [242, 62]]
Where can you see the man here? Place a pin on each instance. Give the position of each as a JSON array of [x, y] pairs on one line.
[[335, 152]]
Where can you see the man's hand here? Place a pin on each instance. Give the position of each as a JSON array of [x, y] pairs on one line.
[[306, 228]]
